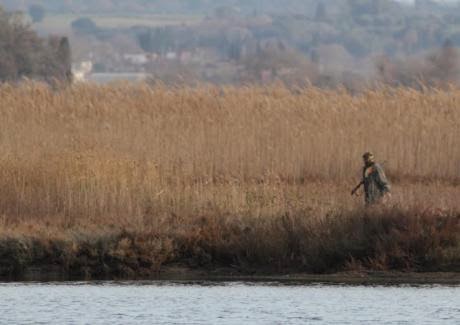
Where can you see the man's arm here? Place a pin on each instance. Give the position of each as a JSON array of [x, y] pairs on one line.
[[353, 192]]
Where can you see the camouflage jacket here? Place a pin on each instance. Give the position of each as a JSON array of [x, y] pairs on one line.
[[375, 183]]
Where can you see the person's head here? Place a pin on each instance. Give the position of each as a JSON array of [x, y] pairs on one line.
[[368, 158]]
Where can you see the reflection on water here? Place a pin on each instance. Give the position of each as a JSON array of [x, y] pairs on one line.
[[225, 303]]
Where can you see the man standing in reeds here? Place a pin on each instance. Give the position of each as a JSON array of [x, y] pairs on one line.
[[376, 186]]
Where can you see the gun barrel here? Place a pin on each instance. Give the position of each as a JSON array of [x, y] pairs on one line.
[[353, 192]]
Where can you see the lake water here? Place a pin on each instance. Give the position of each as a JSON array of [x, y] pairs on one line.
[[225, 303]]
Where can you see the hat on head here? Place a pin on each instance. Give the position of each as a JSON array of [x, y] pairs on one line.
[[368, 156]]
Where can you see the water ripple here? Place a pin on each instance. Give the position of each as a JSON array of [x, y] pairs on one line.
[[225, 303]]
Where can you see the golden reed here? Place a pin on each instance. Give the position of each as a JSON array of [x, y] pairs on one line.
[[98, 160]]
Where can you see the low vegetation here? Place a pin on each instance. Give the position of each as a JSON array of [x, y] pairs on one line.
[[121, 180]]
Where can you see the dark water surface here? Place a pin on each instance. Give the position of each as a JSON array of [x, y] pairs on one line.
[[225, 303]]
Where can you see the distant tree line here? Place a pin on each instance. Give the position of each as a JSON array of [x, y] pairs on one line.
[[23, 54], [400, 40], [329, 43], [438, 69], [157, 6], [37, 13]]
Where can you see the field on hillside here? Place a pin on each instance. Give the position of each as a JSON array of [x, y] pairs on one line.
[[123, 179]]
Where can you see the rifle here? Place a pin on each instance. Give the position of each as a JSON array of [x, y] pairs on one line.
[[353, 192]]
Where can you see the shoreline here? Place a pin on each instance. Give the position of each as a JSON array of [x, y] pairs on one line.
[[377, 247], [347, 278], [179, 273]]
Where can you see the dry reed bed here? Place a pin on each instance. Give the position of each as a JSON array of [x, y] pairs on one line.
[[95, 163]]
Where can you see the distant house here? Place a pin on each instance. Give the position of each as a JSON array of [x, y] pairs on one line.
[[136, 59], [82, 70], [105, 78], [171, 55], [266, 76], [186, 56]]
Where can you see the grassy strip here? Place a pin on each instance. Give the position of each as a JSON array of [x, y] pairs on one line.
[[383, 240]]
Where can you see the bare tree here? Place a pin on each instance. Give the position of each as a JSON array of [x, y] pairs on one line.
[[24, 54]]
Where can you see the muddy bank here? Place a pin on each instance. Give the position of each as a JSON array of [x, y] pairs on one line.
[[185, 274]]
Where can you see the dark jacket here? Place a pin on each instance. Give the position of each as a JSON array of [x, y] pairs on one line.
[[375, 183]]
